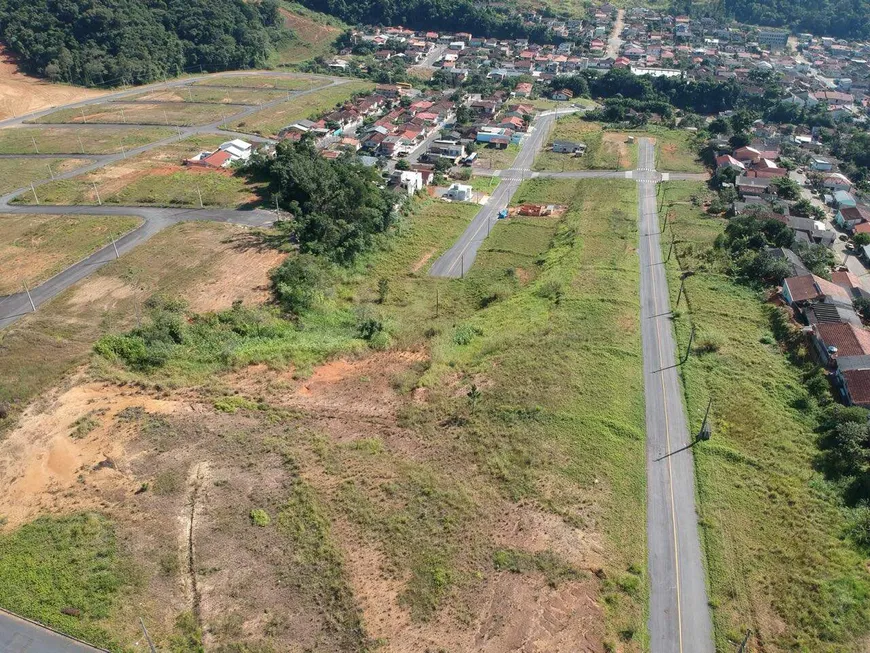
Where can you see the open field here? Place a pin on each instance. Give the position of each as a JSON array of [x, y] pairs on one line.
[[154, 178], [313, 33], [265, 82], [772, 530], [496, 159], [208, 94], [674, 151], [545, 104], [331, 493], [18, 173], [20, 93], [268, 122], [78, 140], [36, 247], [182, 114], [604, 150]]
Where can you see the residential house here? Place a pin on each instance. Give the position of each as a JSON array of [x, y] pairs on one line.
[[459, 193], [837, 181], [832, 340], [752, 185], [563, 95], [523, 89], [850, 217], [227, 153], [728, 161], [843, 199], [569, 147], [820, 164], [809, 288]]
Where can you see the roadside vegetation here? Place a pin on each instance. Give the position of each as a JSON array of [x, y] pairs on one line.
[[782, 548], [36, 247], [605, 150]]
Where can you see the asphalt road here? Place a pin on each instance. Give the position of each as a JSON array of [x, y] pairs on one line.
[[456, 261], [679, 617], [21, 636], [14, 307]]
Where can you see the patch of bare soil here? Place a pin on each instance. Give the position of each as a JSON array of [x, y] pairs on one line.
[[69, 444], [243, 275], [616, 142], [21, 94], [309, 30], [423, 261]]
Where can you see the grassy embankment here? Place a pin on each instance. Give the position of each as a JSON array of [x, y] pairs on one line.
[[183, 114], [154, 178], [36, 247], [557, 428], [268, 122], [265, 82], [772, 527], [313, 34]]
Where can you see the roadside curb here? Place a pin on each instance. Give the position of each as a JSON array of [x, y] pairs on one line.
[[50, 629]]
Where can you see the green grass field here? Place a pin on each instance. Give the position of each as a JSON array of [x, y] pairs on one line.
[[67, 564], [77, 140], [154, 178], [193, 93], [604, 150], [265, 82], [269, 121], [36, 247], [496, 159], [19, 173], [773, 532], [169, 114], [675, 151]]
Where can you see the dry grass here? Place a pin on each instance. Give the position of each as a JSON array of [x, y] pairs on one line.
[[35, 247], [77, 140], [183, 114]]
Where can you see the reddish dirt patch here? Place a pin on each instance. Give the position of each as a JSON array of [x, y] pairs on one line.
[[21, 94], [309, 30], [422, 261]]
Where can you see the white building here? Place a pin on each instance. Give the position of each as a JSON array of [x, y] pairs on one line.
[[459, 193]]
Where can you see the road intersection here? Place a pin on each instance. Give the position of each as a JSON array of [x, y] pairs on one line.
[[679, 618]]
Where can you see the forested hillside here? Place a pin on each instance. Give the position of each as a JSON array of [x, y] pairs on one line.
[[840, 18], [448, 15], [136, 41]]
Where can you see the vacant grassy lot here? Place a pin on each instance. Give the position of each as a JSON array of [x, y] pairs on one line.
[[772, 529], [169, 113], [35, 247], [545, 104], [77, 140], [675, 151], [269, 121], [154, 178], [604, 150], [265, 82], [18, 173], [496, 159], [207, 94]]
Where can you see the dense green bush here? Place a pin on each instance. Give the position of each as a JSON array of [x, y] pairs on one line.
[[299, 282]]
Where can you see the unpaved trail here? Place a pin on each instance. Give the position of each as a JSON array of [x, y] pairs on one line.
[[615, 42]]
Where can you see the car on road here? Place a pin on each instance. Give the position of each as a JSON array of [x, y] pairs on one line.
[[502, 214]]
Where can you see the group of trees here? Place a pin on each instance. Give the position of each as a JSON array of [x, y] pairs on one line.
[[840, 18], [110, 42], [448, 15]]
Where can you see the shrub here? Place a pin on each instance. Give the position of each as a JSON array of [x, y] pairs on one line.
[[551, 290], [465, 334], [299, 282], [260, 517]]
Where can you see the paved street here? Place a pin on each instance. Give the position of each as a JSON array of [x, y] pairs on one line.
[[679, 618], [458, 259], [21, 636]]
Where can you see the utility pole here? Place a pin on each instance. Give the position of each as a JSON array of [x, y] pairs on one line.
[[27, 290], [165, 118], [82, 109], [437, 302], [689, 347], [99, 201], [147, 636], [277, 210], [670, 249], [200, 198], [123, 115], [50, 173], [704, 433], [680, 293], [35, 146], [745, 642], [35, 196], [116, 248], [81, 146], [123, 151]]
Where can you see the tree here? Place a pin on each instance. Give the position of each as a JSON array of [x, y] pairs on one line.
[[299, 282], [739, 140], [786, 188], [818, 258], [402, 164], [719, 126], [861, 239], [383, 290], [473, 395]]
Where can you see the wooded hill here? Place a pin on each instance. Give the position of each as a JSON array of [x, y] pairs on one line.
[[112, 42]]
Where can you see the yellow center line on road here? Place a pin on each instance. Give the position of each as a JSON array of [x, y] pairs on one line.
[[667, 442]]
